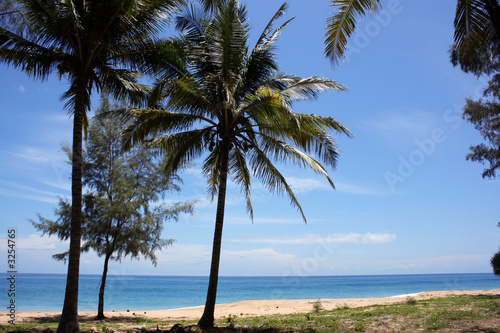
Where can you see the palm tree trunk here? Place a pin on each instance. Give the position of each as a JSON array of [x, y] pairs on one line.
[[100, 306], [69, 316], [207, 319]]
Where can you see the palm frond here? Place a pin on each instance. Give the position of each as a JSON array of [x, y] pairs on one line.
[[211, 170], [261, 62], [186, 94], [162, 59], [241, 175], [265, 38], [283, 152], [190, 24], [154, 122], [306, 88], [315, 124], [212, 5], [342, 25], [36, 60], [271, 178], [473, 32], [230, 33], [179, 148], [265, 107], [122, 85]]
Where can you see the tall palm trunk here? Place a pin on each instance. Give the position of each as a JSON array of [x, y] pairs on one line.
[[100, 306], [207, 319], [69, 316]]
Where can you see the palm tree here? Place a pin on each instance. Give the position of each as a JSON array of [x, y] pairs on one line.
[[230, 104], [477, 27], [89, 42]]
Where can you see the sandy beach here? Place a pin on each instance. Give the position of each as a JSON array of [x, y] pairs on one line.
[[251, 308]]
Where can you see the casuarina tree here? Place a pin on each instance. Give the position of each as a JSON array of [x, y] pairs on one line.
[[122, 213], [230, 104]]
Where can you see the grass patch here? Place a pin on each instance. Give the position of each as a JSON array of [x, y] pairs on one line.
[[450, 314]]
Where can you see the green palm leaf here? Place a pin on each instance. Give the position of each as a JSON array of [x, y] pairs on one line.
[[342, 25], [271, 178], [241, 175], [474, 31]]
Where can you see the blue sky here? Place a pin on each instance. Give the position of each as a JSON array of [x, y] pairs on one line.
[[406, 202]]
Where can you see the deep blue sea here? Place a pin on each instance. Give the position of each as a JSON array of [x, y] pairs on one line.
[[45, 292]]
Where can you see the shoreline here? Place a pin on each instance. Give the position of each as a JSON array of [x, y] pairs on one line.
[[246, 308]]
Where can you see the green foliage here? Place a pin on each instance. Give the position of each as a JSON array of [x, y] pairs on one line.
[[477, 32], [317, 306], [119, 215], [231, 318], [485, 116], [342, 25], [411, 301], [434, 322], [359, 326], [229, 99], [495, 263]]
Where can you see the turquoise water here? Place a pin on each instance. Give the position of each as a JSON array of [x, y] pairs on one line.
[[45, 292]]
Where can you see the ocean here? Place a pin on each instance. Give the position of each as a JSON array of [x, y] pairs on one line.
[[45, 292]]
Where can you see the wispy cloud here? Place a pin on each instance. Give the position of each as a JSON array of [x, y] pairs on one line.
[[409, 125], [16, 190], [36, 242], [59, 184], [21, 89], [305, 185], [35, 155], [267, 255], [351, 238], [185, 254]]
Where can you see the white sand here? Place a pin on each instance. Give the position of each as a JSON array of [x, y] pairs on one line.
[[251, 308]]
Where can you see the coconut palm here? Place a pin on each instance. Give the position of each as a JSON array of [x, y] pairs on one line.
[[89, 42], [477, 36], [229, 104], [477, 26]]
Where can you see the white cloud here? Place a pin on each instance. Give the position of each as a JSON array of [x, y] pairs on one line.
[[35, 155], [399, 128], [305, 185], [21, 89], [26, 192], [59, 184], [410, 123], [263, 255], [351, 238], [185, 254], [194, 171], [36, 242]]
